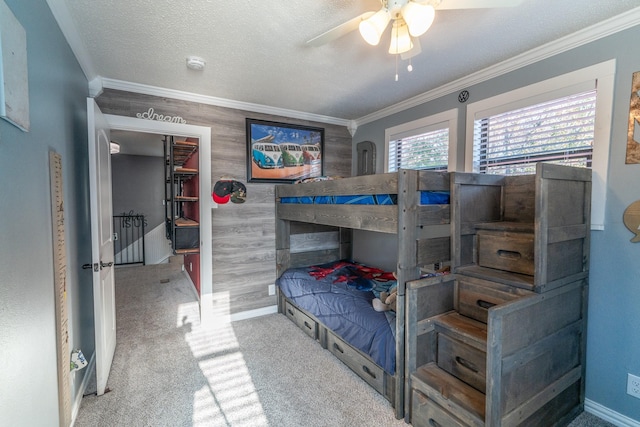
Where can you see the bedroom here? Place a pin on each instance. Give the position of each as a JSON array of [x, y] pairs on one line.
[[612, 348]]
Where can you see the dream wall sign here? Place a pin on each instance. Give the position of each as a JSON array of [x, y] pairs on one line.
[[633, 134]]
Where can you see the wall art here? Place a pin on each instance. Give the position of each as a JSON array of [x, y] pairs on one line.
[[281, 152]]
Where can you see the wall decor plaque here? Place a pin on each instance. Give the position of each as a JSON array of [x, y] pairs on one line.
[[631, 219], [633, 133]]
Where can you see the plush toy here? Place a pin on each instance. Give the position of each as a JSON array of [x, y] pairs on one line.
[[387, 300]]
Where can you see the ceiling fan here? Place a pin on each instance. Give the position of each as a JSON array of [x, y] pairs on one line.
[[409, 18]]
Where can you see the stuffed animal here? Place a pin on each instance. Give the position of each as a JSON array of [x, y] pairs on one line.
[[387, 301]]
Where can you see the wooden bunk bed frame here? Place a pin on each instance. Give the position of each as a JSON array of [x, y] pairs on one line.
[[311, 234]]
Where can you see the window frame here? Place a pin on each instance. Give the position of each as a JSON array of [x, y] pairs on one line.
[[446, 119], [599, 76]]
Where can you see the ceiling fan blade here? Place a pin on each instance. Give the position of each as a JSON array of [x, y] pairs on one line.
[[476, 4], [415, 50], [339, 31]]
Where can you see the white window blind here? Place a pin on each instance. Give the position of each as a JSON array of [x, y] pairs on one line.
[[428, 150], [557, 131], [425, 143]]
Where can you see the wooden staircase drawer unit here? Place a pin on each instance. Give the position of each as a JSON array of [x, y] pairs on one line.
[[505, 250], [368, 371], [304, 322]]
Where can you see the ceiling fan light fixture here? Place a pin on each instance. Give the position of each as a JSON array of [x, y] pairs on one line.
[[371, 29], [418, 17], [400, 38]]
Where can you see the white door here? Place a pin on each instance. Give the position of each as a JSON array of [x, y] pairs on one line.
[[104, 303]]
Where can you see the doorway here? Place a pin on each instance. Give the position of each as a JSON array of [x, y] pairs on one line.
[[203, 135]]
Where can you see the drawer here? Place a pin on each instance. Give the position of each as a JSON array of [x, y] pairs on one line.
[[463, 362], [361, 365], [427, 413], [506, 251], [477, 296], [304, 322]]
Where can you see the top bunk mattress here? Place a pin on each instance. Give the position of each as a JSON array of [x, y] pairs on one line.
[[340, 294], [426, 198]]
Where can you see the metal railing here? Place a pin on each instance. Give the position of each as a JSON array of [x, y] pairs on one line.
[[128, 245]]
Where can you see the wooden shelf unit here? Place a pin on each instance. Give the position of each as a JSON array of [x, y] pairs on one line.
[[182, 231]]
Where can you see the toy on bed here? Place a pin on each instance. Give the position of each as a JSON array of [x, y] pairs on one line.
[[387, 299]]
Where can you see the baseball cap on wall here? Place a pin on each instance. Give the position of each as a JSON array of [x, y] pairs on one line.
[[228, 189]]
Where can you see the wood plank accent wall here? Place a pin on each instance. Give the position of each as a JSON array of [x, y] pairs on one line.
[[243, 235]]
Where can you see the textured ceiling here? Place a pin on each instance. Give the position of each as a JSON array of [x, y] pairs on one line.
[[255, 51]]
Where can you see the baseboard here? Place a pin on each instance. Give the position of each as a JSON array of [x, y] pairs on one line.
[[608, 415], [83, 387], [243, 315]]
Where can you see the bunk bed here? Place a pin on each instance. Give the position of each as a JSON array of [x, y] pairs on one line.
[[314, 232]]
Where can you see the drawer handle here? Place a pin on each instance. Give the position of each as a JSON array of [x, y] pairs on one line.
[[337, 347], [484, 304], [509, 254], [465, 363], [433, 423], [307, 325], [368, 372], [289, 311]]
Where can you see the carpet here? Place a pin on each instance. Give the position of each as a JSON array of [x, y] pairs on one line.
[[170, 371]]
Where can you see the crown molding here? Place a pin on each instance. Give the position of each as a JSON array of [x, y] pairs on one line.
[[101, 83], [600, 30]]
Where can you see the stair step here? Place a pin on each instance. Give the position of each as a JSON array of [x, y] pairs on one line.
[[450, 393], [463, 329], [516, 227]]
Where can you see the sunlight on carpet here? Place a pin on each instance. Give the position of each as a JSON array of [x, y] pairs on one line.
[[230, 397]]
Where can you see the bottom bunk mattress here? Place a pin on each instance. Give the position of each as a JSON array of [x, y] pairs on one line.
[[340, 294]]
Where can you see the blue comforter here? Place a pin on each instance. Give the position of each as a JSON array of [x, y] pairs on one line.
[[339, 295]]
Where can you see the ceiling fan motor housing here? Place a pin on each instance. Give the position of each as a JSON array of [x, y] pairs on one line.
[[395, 6]]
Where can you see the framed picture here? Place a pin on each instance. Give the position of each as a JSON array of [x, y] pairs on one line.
[[14, 83], [281, 152]]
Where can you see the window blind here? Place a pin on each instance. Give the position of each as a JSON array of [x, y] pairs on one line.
[[558, 131], [428, 150]]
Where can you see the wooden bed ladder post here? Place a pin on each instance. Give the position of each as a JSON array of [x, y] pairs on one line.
[[408, 199], [283, 255]]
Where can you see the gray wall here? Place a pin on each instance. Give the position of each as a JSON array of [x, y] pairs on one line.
[[57, 101], [138, 186], [243, 235], [613, 338]]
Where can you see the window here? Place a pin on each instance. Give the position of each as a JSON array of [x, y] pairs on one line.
[[422, 144], [564, 120], [557, 131]]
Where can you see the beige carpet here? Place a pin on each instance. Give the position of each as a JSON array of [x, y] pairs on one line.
[[168, 371]]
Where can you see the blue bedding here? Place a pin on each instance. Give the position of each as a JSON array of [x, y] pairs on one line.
[[339, 295], [426, 198]]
